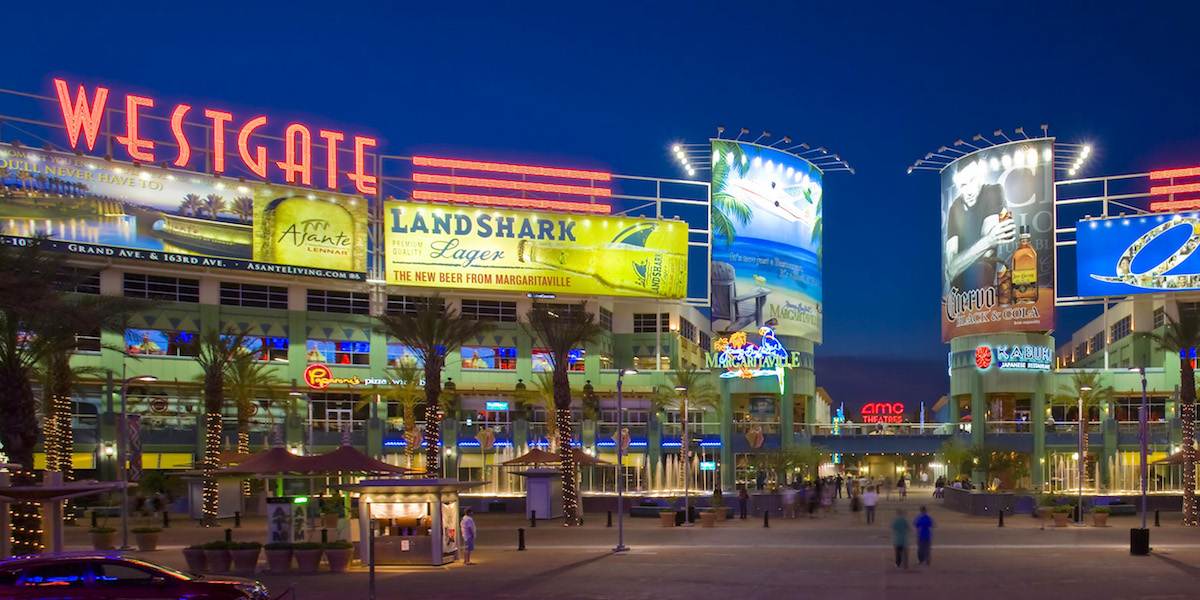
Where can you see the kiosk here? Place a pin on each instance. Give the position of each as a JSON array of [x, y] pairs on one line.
[[414, 521]]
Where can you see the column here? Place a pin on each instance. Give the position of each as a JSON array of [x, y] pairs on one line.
[[1108, 451], [787, 416], [653, 447], [1037, 417], [978, 427], [727, 463]]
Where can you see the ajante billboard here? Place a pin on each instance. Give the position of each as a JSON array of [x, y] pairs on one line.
[[997, 234]]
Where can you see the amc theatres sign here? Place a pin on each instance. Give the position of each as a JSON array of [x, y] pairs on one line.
[[882, 412]]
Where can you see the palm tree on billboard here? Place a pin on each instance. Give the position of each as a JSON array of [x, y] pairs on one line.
[[1182, 336], [214, 205], [727, 207], [243, 207], [190, 206]]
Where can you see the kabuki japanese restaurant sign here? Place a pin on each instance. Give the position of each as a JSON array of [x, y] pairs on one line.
[[1016, 357], [121, 210], [448, 246]]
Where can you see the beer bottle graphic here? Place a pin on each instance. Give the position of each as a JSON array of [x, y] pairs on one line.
[[638, 260]]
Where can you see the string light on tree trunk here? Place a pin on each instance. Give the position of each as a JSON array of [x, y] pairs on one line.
[[212, 450]]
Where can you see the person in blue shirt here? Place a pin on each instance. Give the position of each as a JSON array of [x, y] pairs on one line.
[[900, 529], [924, 525]]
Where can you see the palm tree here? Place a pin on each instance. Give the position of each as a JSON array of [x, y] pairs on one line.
[[690, 389], [214, 204], [432, 331], [727, 207], [247, 378], [1085, 387], [215, 355], [243, 207], [190, 206], [542, 395], [559, 334], [408, 394], [1182, 336]]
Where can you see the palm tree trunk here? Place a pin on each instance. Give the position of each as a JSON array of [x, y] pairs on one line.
[[433, 412], [570, 487], [213, 401], [1187, 413], [19, 434], [243, 446], [1083, 456]]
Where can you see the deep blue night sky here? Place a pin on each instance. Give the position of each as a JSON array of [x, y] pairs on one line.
[[582, 85]]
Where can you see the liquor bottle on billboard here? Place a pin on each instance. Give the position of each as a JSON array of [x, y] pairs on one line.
[[638, 260], [1024, 269]]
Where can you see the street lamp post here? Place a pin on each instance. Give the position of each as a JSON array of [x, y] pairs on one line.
[[1143, 435], [621, 547], [1080, 464], [122, 451], [685, 449]]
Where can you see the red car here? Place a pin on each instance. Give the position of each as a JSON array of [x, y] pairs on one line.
[[92, 576]]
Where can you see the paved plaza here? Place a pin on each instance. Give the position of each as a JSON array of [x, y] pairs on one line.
[[831, 556]]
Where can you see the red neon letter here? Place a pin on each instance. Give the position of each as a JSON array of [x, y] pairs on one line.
[[185, 149], [258, 162], [331, 141], [138, 148], [365, 184], [81, 116], [289, 165], [219, 119]]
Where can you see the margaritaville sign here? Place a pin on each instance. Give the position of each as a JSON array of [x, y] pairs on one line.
[[744, 359]]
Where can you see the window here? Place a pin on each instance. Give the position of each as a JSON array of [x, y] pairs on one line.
[[256, 296], [606, 317], [80, 281], [1121, 328], [705, 341], [411, 305], [645, 322], [606, 361], [486, 357], [543, 361], [1081, 350], [57, 575], [632, 417], [646, 363], [1096, 343], [120, 575], [267, 348], [338, 352], [331, 301], [1160, 317], [160, 342], [398, 354], [562, 310], [686, 330], [153, 287], [87, 342], [490, 310], [333, 412], [1126, 409]]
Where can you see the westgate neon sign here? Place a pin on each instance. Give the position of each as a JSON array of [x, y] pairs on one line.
[[882, 412], [82, 117], [744, 359]]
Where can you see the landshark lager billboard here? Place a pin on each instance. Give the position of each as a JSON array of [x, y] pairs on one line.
[[766, 246], [447, 246], [119, 210]]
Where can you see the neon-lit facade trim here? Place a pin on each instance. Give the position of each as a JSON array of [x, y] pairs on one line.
[[509, 202], [1172, 173], [508, 184], [494, 167], [1175, 205]]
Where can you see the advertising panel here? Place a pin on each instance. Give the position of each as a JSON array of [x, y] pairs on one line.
[[105, 208], [447, 246], [1138, 255], [766, 253], [997, 231]]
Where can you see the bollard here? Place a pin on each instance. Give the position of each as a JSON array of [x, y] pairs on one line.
[[521, 538], [324, 536], [609, 519], [533, 518], [237, 519], [766, 518], [1001, 524], [166, 519], [1156, 521], [94, 524], [228, 535]]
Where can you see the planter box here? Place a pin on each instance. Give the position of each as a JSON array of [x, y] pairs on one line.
[[1061, 519], [279, 561], [196, 561], [245, 560], [308, 561], [218, 560], [339, 559], [708, 519], [666, 518], [147, 542], [103, 541], [1099, 519]]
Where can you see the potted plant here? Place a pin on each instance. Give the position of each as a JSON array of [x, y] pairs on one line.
[[718, 503], [308, 556], [147, 538], [102, 537], [1100, 516], [279, 556], [216, 554], [666, 517], [1061, 514], [338, 554], [1046, 504], [194, 555], [245, 556]]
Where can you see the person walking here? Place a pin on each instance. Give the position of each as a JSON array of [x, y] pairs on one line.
[[924, 526], [838, 485], [467, 531], [938, 486], [856, 505], [789, 503], [743, 501], [870, 499], [850, 487], [900, 529], [902, 487]]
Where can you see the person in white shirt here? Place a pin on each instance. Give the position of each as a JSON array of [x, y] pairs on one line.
[[869, 499], [467, 532]]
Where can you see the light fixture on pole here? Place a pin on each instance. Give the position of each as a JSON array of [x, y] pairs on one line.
[[1139, 539], [685, 451], [1082, 458], [122, 452], [621, 547]]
